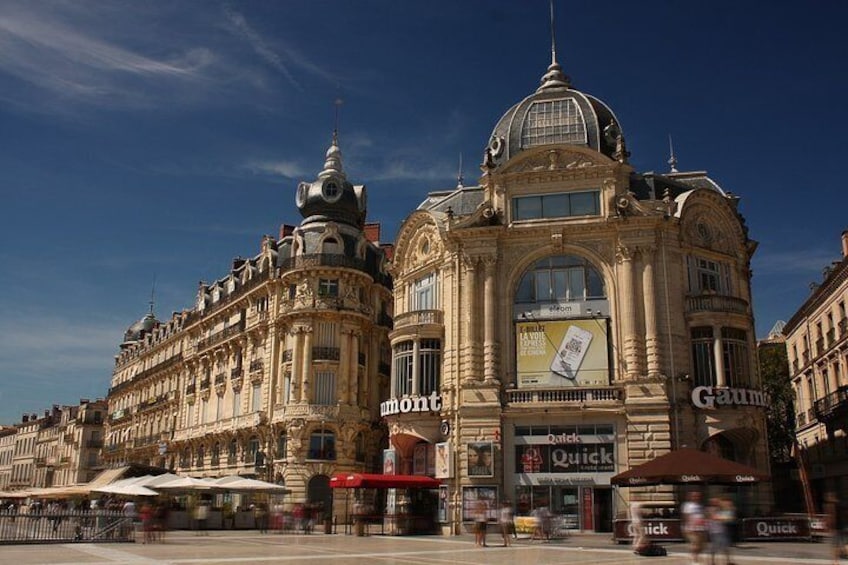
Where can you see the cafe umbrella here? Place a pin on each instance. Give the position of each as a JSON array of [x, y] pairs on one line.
[[689, 466]]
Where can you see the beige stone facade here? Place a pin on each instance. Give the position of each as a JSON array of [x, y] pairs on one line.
[[277, 370], [817, 350], [571, 318]]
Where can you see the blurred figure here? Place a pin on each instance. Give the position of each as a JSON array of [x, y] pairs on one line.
[[507, 523], [720, 516], [835, 523], [694, 524], [639, 538], [481, 516]]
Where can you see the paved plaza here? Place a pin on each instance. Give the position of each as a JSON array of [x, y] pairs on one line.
[[251, 547]]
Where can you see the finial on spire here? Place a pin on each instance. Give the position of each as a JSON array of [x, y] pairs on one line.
[[459, 177], [672, 161], [554, 77], [153, 295], [333, 162]]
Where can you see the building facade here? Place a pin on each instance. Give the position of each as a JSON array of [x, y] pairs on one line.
[[278, 369], [569, 318], [7, 452], [817, 349]]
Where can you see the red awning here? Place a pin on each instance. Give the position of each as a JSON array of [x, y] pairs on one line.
[[366, 480]]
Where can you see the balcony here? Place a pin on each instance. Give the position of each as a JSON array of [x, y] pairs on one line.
[[153, 402], [221, 336], [315, 260], [565, 396], [245, 421], [258, 365], [716, 303], [220, 379], [120, 415], [419, 318], [833, 406], [325, 354]]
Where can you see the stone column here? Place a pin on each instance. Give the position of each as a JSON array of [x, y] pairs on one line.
[[470, 319], [353, 374], [490, 369], [652, 345], [628, 313], [306, 366], [345, 369], [718, 356], [296, 364]]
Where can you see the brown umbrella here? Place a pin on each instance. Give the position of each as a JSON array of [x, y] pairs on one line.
[[689, 466]]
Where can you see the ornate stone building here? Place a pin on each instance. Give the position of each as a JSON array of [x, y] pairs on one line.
[[817, 349], [569, 318], [278, 369]]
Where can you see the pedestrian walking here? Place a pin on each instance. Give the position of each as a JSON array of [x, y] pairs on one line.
[[507, 523], [694, 525], [481, 516], [835, 522]]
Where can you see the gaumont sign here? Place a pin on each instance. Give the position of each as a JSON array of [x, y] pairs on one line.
[[407, 404], [776, 528], [718, 397]]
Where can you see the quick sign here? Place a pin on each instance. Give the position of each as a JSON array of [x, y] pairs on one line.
[[775, 528], [432, 403], [708, 397]]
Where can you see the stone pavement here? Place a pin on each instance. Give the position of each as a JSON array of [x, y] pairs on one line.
[[250, 547]]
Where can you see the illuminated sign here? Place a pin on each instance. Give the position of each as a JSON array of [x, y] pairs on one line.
[[562, 353]]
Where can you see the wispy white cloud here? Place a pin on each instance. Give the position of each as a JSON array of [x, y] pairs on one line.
[[280, 56], [287, 169]]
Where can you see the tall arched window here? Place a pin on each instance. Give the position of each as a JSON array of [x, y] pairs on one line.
[[560, 278]]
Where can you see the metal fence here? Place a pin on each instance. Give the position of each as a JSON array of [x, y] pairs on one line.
[[65, 526]]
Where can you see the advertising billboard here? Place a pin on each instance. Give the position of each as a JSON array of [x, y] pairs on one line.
[[562, 353]]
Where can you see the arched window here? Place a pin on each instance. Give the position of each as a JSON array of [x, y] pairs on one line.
[[560, 278], [322, 445]]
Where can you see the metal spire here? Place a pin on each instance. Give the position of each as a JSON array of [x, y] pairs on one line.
[[333, 162], [554, 77], [152, 296], [672, 161], [459, 178]]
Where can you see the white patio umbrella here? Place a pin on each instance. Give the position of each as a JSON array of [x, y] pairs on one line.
[[187, 484], [128, 490], [243, 484]]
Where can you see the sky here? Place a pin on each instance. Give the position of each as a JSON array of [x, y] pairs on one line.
[[147, 144]]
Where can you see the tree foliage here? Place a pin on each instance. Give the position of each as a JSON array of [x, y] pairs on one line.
[[780, 419]]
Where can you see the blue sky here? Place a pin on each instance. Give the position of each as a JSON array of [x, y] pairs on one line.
[[151, 141]]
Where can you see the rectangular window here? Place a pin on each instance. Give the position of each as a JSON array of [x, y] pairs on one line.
[[424, 293], [326, 335], [219, 408], [736, 362], [325, 388], [702, 357], [558, 205], [236, 402], [287, 388], [204, 410], [328, 287], [403, 369], [706, 276], [256, 398], [429, 366]]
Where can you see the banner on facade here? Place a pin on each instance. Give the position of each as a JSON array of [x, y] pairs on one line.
[[562, 353], [568, 458]]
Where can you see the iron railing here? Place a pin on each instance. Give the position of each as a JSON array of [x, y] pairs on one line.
[[65, 526]]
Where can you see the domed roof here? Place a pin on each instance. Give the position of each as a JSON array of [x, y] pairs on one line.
[[556, 114], [331, 197], [138, 330]]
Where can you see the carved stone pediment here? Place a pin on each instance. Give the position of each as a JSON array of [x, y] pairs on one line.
[[556, 160]]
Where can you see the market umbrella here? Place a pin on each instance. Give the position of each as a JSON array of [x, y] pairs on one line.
[[187, 484], [127, 490], [689, 466], [243, 484]]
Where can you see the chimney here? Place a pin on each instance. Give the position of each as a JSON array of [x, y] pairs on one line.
[[845, 243], [286, 230], [25, 418], [238, 262], [372, 232]]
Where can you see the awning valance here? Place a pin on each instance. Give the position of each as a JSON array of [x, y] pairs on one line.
[[367, 480]]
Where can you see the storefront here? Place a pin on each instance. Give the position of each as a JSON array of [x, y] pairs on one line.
[[566, 468]]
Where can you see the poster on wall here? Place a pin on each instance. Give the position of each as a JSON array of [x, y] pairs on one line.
[[389, 462], [562, 353], [479, 499], [443, 504], [444, 461], [480, 459]]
